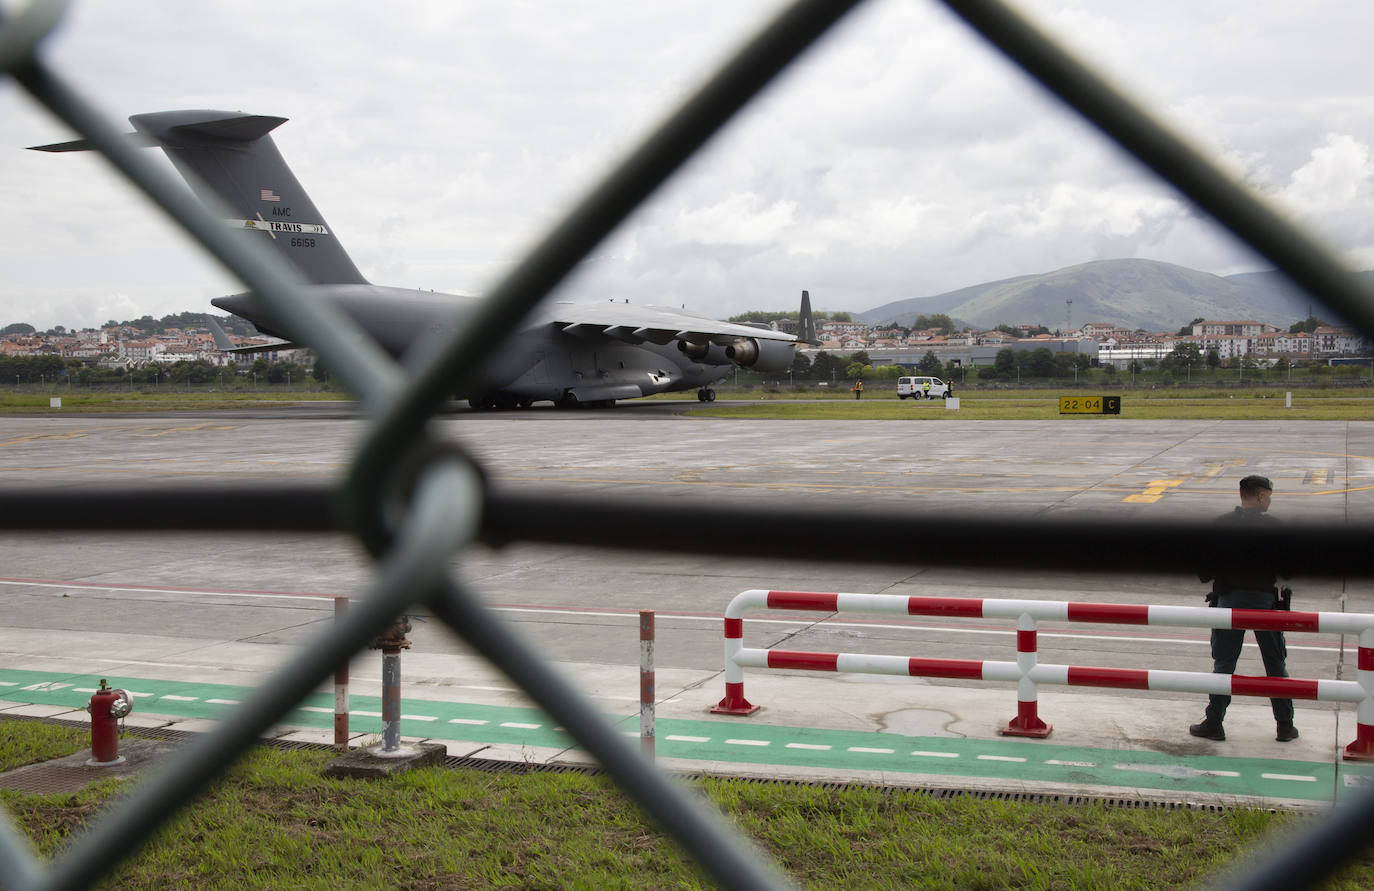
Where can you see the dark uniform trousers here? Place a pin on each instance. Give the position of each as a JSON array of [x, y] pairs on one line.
[[1226, 646]]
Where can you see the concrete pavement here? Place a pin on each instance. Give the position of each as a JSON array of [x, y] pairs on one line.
[[220, 612]]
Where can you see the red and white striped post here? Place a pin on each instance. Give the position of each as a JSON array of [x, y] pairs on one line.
[[734, 702], [646, 682], [1362, 749], [340, 687], [1027, 721]]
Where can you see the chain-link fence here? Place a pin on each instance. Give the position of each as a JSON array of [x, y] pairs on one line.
[[415, 502]]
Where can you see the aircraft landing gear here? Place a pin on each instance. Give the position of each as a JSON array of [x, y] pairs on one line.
[[498, 402], [706, 394]]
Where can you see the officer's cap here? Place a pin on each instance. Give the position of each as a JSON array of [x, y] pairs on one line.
[[1255, 481]]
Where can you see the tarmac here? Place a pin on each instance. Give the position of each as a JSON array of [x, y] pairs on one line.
[[192, 624]]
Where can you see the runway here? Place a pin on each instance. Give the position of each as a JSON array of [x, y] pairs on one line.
[[220, 611]]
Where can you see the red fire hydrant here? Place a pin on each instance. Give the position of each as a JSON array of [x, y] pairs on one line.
[[107, 706]]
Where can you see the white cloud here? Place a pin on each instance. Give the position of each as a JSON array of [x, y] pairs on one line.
[[901, 157], [742, 219]]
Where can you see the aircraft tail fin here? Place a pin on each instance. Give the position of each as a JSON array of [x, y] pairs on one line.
[[806, 325], [231, 156]]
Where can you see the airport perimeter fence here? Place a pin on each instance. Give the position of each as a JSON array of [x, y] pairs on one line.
[[415, 502]]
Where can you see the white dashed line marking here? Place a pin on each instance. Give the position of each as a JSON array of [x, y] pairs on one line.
[[1072, 763], [175, 698], [1001, 758], [361, 713], [418, 718], [747, 742], [13, 684], [866, 750], [317, 708], [516, 725], [1175, 771], [223, 701], [920, 754], [1289, 776], [810, 746], [697, 739], [475, 721]]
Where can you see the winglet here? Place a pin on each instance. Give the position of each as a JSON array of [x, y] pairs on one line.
[[806, 325]]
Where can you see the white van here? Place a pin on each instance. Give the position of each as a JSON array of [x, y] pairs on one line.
[[923, 388]]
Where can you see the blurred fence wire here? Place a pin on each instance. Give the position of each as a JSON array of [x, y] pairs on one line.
[[415, 502]]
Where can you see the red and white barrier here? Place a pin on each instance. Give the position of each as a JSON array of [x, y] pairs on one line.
[[1027, 672]]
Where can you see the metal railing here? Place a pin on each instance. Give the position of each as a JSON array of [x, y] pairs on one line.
[[1027, 672], [414, 502]]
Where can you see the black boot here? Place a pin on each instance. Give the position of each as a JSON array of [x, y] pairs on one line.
[[1287, 732], [1208, 730]]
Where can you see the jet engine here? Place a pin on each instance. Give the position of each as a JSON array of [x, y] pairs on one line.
[[705, 353], [761, 355]]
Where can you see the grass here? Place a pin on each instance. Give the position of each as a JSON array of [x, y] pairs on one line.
[[274, 822], [28, 742], [880, 402], [166, 399], [1023, 405]]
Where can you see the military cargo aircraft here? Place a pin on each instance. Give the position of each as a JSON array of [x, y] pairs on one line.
[[573, 354]]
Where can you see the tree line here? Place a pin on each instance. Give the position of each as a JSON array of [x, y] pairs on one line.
[[147, 325], [55, 369]]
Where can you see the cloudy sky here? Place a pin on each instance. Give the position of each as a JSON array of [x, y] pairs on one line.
[[901, 158]]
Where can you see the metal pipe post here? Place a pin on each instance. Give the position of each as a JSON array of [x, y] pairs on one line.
[[646, 682], [340, 686], [391, 699], [391, 642]]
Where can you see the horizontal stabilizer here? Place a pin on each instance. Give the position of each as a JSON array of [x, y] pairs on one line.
[[85, 145], [225, 345]]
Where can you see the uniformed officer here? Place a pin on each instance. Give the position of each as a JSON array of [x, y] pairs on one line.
[[1253, 588]]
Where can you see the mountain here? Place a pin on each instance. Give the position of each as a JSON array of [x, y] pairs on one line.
[[1132, 293]]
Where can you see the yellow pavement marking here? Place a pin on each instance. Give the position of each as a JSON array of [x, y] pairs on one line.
[[1216, 469], [73, 434], [137, 431], [1153, 492], [196, 427]]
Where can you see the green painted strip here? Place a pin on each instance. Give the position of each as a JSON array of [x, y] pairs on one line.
[[742, 742]]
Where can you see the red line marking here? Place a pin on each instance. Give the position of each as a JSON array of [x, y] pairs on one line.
[[167, 589]]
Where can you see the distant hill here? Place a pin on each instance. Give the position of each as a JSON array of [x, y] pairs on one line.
[[1132, 293]]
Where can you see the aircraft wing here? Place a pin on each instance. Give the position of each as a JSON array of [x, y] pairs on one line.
[[635, 324]]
